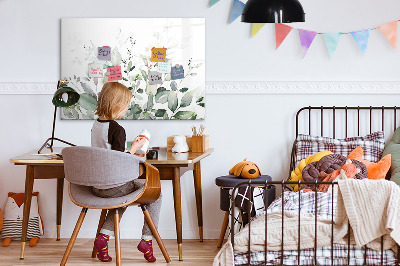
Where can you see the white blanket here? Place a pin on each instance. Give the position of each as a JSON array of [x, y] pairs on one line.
[[373, 209], [274, 235]]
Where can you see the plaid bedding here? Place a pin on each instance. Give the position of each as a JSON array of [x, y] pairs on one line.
[[323, 207], [340, 253], [372, 145]]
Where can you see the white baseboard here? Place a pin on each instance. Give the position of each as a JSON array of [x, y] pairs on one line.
[[250, 87]]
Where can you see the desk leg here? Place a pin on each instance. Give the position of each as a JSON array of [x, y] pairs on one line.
[[27, 206], [60, 190], [199, 204], [176, 182]]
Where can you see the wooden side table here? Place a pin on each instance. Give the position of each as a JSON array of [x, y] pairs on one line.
[[226, 183]]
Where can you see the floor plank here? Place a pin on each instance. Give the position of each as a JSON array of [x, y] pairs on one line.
[[50, 252]]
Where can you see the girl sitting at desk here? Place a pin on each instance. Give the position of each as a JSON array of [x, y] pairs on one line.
[[114, 100]]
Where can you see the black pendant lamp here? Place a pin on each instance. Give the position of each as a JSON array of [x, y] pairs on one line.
[[273, 11]]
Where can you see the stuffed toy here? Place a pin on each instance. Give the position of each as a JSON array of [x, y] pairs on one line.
[[296, 174], [13, 215], [245, 169], [375, 170], [180, 144]]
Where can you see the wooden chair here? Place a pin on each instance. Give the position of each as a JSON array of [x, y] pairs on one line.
[[85, 167]]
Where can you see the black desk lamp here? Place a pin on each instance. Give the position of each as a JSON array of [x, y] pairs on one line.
[[63, 97], [273, 11]]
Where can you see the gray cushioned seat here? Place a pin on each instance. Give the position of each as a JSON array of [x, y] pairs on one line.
[[83, 195], [88, 167]]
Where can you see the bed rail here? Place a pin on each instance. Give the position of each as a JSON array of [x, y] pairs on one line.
[[341, 119], [265, 185]]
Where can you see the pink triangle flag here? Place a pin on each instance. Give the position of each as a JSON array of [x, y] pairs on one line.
[[389, 30], [281, 31], [306, 39]]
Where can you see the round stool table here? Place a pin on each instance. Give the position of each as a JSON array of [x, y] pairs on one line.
[[228, 182]]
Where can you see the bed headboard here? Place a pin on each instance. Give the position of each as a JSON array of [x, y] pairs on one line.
[[347, 116], [344, 121]]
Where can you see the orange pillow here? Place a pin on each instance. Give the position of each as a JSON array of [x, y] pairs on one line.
[[375, 170]]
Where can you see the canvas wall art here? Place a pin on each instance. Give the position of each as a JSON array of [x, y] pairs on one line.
[[160, 60]]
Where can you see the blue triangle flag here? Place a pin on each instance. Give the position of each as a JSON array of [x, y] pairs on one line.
[[361, 37], [213, 2], [332, 41], [237, 9]]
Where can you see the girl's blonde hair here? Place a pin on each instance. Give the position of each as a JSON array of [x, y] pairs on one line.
[[113, 99]]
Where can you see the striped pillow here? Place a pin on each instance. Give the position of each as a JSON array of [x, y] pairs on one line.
[[372, 145]]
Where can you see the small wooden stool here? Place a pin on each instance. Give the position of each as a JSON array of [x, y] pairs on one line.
[[226, 183]]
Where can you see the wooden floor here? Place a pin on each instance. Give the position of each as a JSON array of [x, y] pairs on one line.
[[50, 252]]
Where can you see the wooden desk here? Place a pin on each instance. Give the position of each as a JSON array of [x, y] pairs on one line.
[[169, 165]]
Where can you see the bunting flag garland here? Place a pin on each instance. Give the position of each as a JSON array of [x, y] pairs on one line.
[[256, 27], [389, 30], [332, 41], [237, 9], [281, 31], [306, 39], [213, 2], [361, 37]]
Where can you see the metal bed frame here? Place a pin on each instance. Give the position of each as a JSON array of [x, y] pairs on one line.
[[283, 184]]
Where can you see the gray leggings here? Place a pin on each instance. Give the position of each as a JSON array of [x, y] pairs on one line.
[[154, 208]]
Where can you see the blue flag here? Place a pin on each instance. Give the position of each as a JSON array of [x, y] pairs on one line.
[[237, 9], [361, 38]]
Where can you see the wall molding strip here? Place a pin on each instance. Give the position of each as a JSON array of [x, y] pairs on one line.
[[251, 87]]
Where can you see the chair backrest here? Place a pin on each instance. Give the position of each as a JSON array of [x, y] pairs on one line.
[[92, 166]]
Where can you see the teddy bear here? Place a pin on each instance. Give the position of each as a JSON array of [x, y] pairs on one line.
[[245, 169], [13, 215], [180, 144]]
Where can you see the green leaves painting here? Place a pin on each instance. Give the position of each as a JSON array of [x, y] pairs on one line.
[[173, 99]]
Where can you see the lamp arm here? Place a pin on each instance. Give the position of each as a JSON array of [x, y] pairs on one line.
[[54, 126]]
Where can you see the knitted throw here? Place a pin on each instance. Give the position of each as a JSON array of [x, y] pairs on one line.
[[373, 209]]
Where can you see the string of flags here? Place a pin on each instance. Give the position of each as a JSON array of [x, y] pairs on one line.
[[361, 37]]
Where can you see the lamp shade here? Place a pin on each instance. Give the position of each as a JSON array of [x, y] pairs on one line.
[[71, 99], [273, 11]]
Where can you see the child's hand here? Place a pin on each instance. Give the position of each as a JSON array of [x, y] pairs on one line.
[[137, 144]]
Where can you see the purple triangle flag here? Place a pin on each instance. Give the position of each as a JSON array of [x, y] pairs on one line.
[[361, 37], [237, 9], [306, 39]]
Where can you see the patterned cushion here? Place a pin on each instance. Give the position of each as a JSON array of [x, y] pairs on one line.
[[372, 144], [13, 228]]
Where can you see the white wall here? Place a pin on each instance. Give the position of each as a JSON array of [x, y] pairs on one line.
[[259, 127]]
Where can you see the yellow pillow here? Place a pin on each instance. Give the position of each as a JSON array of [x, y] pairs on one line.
[[296, 174]]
